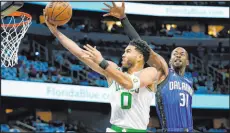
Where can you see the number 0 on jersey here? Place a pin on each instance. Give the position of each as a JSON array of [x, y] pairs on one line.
[[126, 100]]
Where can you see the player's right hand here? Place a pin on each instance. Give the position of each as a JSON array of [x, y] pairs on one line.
[[115, 11], [51, 26]]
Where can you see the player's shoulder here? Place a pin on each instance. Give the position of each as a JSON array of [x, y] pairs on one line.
[[150, 70], [189, 81]]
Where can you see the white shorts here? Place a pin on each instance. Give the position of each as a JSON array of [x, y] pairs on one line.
[[109, 130]]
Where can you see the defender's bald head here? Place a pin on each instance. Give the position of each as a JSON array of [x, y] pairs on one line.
[[180, 50]]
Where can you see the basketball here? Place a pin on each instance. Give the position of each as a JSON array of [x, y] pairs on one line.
[[59, 12]]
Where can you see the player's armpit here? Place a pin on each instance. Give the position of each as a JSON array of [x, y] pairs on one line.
[[157, 61], [148, 77]]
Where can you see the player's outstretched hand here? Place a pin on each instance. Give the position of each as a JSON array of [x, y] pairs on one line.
[[52, 27], [115, 11], [92, 53]]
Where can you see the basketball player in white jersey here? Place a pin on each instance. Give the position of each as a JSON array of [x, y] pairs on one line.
[[131, 91]]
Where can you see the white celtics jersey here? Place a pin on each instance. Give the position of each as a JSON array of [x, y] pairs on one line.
[[130, 109]]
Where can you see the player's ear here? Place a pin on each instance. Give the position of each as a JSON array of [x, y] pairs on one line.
[[187, 62], [140, 57]]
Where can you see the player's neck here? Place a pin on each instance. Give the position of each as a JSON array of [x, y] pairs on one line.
[[180, 71], [135, 68]]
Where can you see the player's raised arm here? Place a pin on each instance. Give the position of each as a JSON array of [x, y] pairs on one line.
[[119, 12], [155, 59], [128, 82], [74, 48]]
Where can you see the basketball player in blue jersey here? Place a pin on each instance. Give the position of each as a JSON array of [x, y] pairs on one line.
[[174, 91]]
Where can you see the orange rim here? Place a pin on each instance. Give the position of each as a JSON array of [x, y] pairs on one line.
[[18, 14]]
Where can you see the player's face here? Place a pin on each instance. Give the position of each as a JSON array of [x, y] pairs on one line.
[[130, 57], [179, 58]]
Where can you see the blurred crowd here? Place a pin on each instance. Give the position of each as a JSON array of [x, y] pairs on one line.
[[151, 28], [57, 65], [67, 69]]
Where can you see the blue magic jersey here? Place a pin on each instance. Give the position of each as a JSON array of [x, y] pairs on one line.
[[174, 103]]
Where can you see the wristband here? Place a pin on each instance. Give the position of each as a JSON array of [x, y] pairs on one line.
[[104, 64]]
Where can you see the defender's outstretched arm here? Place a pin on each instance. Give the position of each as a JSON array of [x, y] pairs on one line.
[[155, 59]]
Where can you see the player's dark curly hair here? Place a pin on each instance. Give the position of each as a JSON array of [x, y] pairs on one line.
[[142, 47]]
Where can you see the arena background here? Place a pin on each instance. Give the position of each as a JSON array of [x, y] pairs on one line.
[[50, 90]]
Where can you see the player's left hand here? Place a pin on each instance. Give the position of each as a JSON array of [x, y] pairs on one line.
[[115, 11], [51, 26], [92, 53]]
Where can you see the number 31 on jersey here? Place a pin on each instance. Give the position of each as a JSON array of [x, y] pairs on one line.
[[184, 100]]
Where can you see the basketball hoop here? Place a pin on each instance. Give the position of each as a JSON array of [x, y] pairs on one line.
[[12, 32]]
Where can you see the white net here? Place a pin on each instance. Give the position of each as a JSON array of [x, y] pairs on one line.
[[11, 36]]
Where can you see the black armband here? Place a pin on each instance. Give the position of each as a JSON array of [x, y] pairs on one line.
[[104, 64]]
